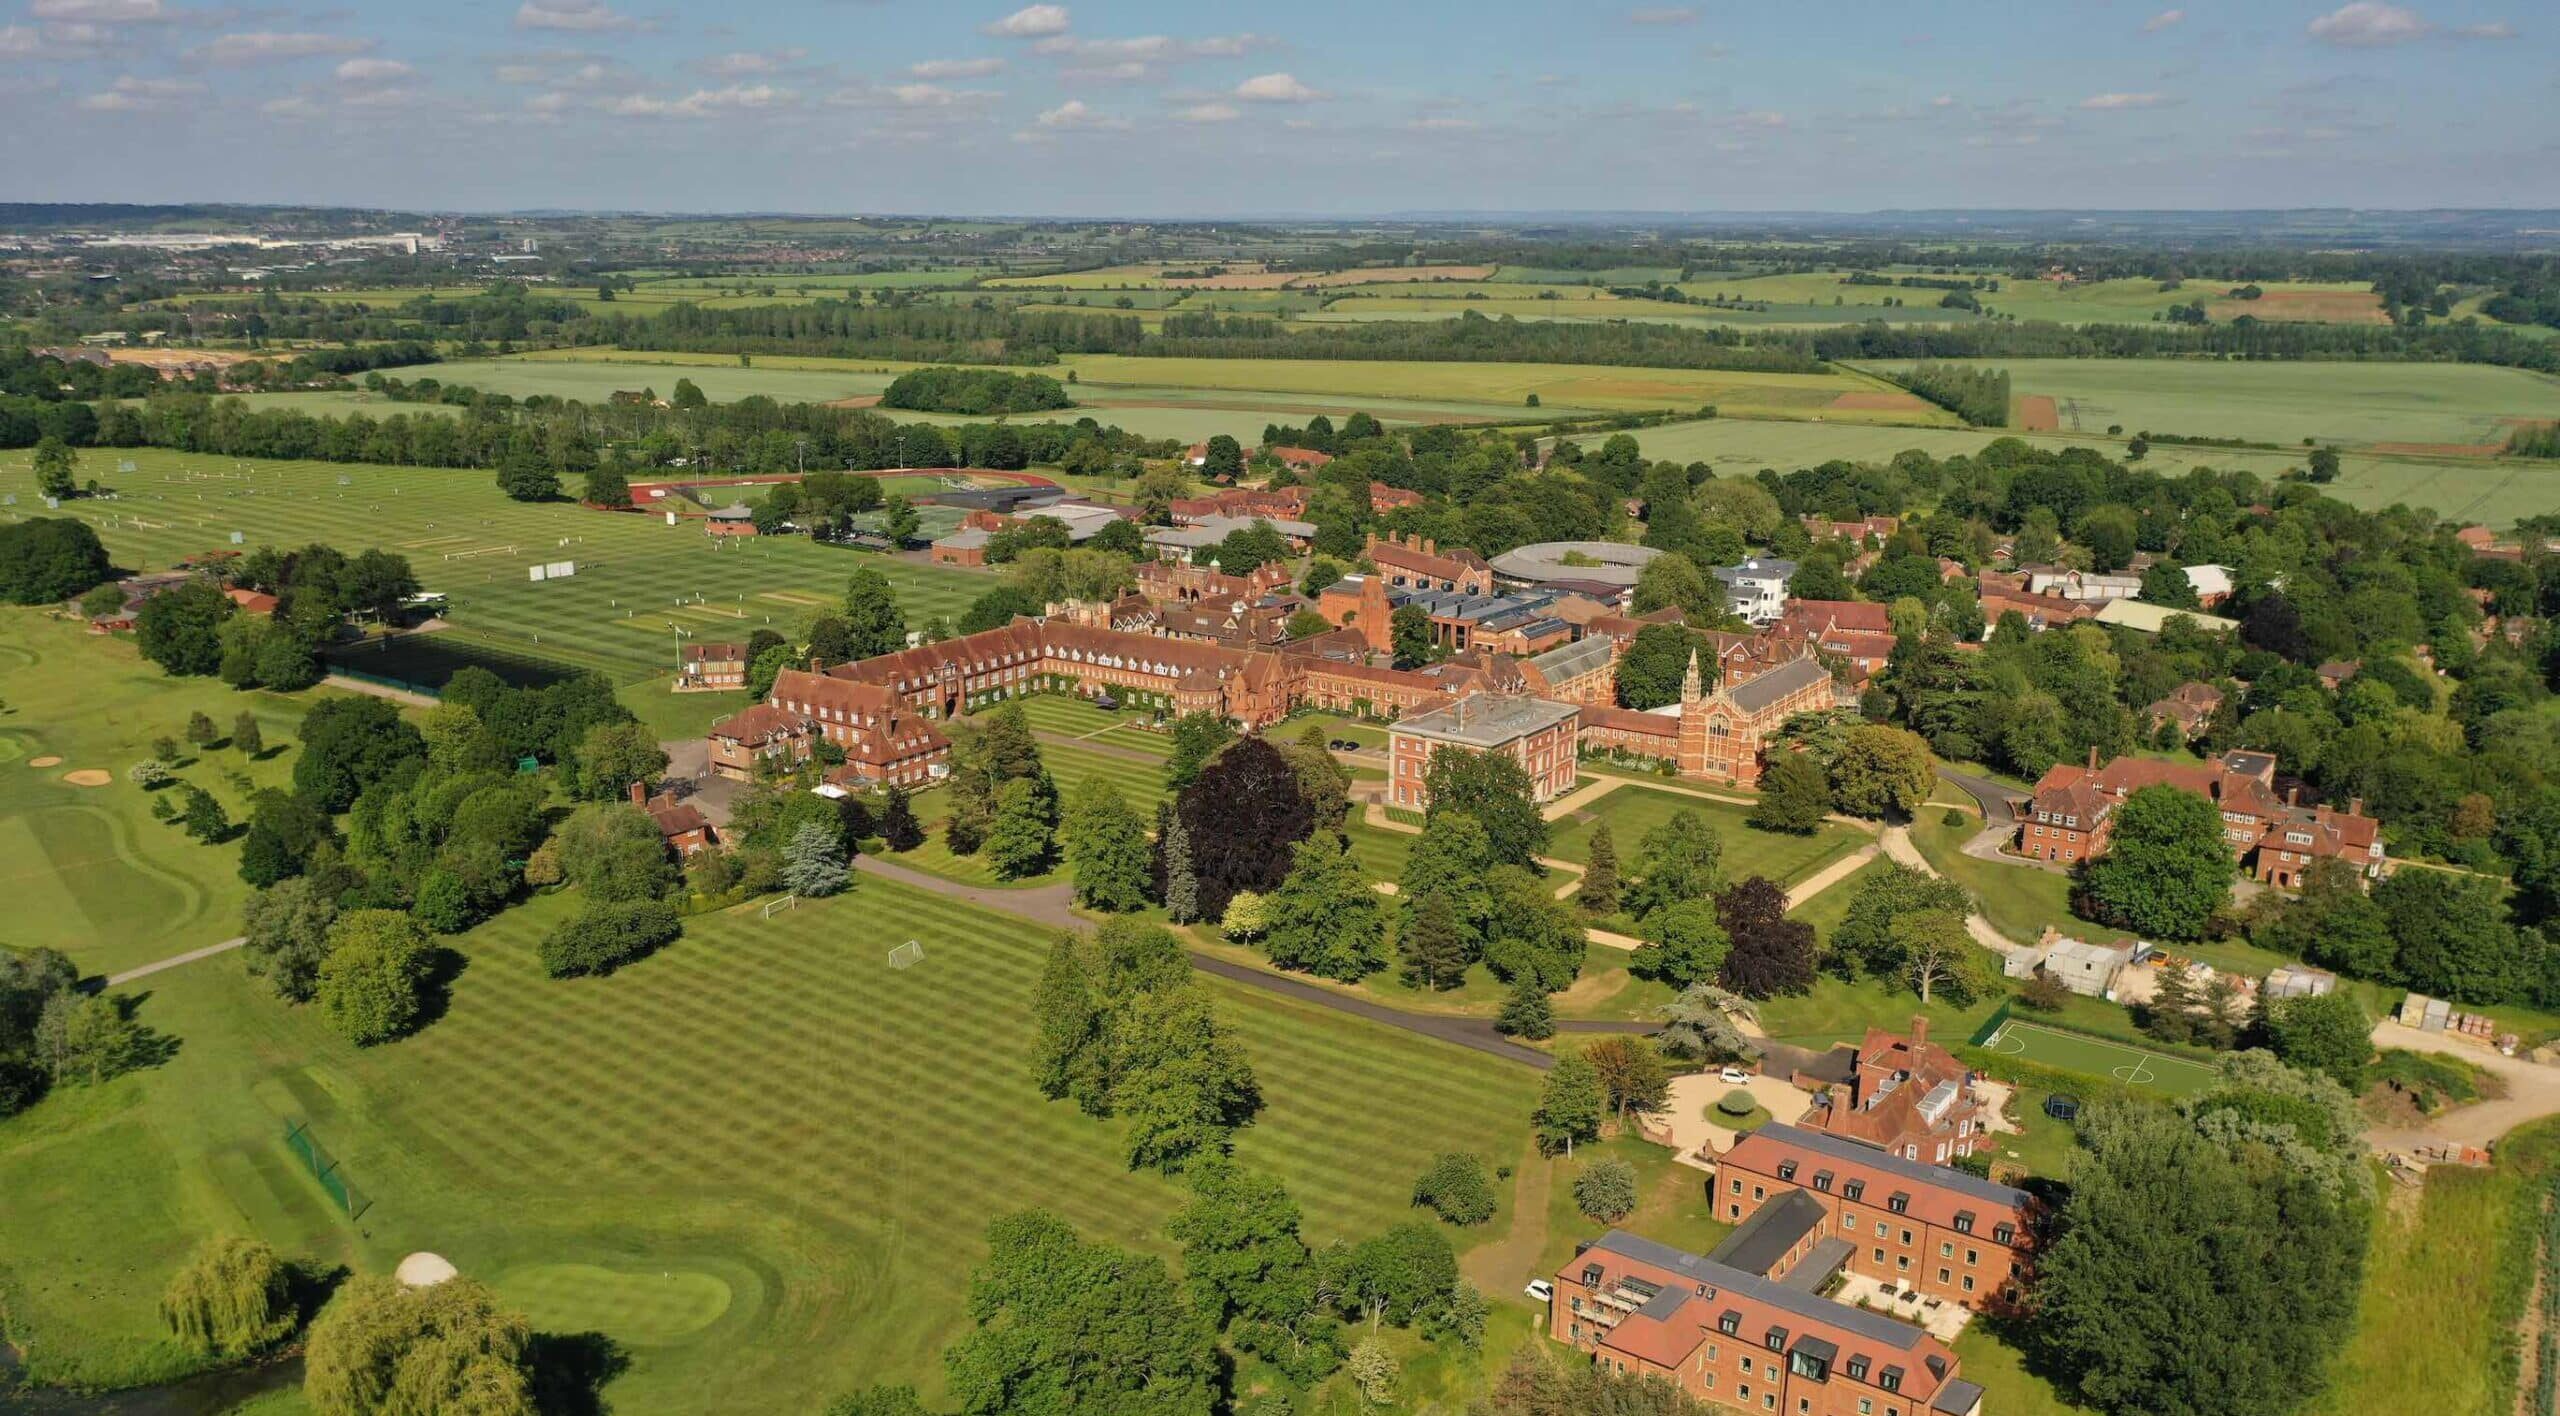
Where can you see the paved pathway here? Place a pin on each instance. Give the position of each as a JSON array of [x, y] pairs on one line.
[[1897, 844], [1830, 875], [189, 957], [1052, 905], [379, 690]]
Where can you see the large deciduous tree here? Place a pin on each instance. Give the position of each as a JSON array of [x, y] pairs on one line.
[[1771, 954], [1325, 918], [1495, 790], [1067, 1326], [370, 984], [2166, 870], [1242, 818], [382, 1348]]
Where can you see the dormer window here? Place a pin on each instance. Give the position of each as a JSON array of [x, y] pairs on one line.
[[1822, 1181], [1787, 1170], [1729, 1322], [1898, 1202], [1854, 1190], [1890, 1379], [2004, 1234], [1858, 1368], [1964, 1221], [1775, 1340]]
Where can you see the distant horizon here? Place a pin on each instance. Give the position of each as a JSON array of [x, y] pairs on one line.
[[1320, 109]]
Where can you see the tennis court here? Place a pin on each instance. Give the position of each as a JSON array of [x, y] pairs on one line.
[[2097, 1057]]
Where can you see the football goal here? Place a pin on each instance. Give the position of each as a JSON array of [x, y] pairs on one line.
[[775, 907], [906, 955]]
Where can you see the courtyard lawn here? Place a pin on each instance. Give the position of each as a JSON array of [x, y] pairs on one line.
[[1672, 1205], [642, 587], [86, 869], [1632, 811], [761, 1160]]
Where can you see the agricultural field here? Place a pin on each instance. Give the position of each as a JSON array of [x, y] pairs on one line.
[[2386, 408], [2492, 491], [1558, 386], [596, 381], [641, 587], [758, 1237]]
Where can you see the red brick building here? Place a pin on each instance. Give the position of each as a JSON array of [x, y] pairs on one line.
[[2274, 836], [1949, 1234], [680, 824], [1752, 1341], [1854, 632], [1908, 1096], [1417, 563], [1537, 733], [884, 740]]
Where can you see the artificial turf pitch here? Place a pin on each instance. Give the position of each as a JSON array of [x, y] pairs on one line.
[[2097, 1057]]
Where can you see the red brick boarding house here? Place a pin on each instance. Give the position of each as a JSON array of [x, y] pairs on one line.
[[885, 742], [2274, 837], [1949, 1234], [680, 824], [1743, 1327], [1417, 563], [709, 668]]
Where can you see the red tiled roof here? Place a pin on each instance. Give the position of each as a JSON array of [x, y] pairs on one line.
[[757, 723]]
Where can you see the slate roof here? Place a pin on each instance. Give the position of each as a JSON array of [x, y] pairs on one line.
[[1756, 693]]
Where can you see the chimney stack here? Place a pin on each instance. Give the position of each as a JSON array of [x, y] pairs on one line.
[[1919, 1028], [639, 793], [2355, 806], [2093, 757]]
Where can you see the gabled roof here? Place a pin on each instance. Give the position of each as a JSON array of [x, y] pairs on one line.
[[1757, 693], [1937, 1191], [1573, 660]]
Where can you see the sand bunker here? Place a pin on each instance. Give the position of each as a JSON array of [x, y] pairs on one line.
[[87, 777], [44, 761]]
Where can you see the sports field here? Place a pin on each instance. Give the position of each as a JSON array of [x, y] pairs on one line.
[[2097, 1057], [640, 584], [761, 1160], [2390, 406]]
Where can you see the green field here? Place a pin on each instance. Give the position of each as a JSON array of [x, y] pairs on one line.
[[761, 1160], [639, 583], [595, 382], [87, 869], [2285, 401], [1632, 811]]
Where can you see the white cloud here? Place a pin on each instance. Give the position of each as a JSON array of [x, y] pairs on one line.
[[382, 98], [742, 64], [1075, 114], [956, 68], [129, 94], [701, 103], [2117, 102], [294, 107], [1127, 72], [1664, 15], [2164, 20], [363, 71], [1132, 59], [1208, 113], [1144, 48], [1444, 125], [2370, 23], [555, 68], [1030, 22], [548, 104], [103, 12], [589, 16], [916, 97], [271, 46], [2495, 29], [1276, 88]]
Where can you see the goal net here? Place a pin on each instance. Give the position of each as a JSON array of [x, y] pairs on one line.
[[775, 907], [906, 955]]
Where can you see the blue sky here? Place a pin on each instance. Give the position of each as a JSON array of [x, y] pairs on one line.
[[1317, 106]]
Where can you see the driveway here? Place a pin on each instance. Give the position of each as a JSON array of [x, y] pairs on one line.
[[2533, 1092], [1897, 845], [1693, 1121], [1993, 798]]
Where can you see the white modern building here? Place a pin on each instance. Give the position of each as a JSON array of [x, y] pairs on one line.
[[1757, 588]]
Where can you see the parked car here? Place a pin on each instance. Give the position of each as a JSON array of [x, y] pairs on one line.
[[1541, 1290], [1734, 1077]]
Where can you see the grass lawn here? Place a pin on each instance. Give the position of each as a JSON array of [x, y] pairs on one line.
[[1992, 1358], [88, 870], [804, 1144], [1672, 1205], [2019, 899], [1632, 811]]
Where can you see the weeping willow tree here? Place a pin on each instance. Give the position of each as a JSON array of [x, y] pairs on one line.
[[231, 1299]]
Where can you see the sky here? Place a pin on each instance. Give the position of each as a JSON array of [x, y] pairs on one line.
[[1142, 108]]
